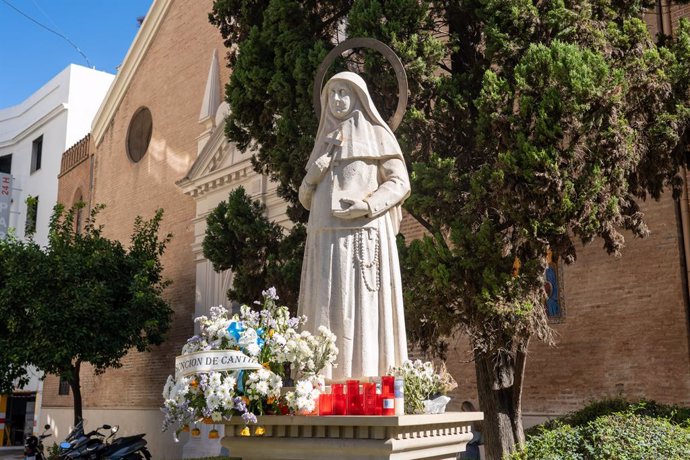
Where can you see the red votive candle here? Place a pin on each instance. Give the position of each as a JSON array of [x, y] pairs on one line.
[[387, 385], [354, 401], [337, 389], [378, 408], [369, 396], [354, 404], [339, 404], [325, 404], [352, 387]]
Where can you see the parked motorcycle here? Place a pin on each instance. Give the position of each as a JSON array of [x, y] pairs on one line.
[[33, 446], [127, 448], [96, 446], [77, 443]]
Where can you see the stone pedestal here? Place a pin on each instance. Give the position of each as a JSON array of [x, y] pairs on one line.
[[352, 437], [201, 446]]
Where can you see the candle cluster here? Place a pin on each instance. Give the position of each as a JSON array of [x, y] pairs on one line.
[[383, 396]]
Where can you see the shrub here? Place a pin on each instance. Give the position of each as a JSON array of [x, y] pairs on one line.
[[675, 414], [612, 429], [560, 443], [634, 437]]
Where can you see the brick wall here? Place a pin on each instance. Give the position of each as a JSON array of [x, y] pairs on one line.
[[667, 19], [74, 178], [625, 329], [170, 81], [676, 12]]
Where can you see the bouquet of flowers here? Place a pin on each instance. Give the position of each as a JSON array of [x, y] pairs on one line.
[[422, 382], [268, 336]]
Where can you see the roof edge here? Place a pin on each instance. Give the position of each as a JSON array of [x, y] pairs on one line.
[[129, 66]]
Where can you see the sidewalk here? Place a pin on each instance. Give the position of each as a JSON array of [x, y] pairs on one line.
[[11, 453]]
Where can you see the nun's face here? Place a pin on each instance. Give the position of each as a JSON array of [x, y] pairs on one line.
[[340, 100]]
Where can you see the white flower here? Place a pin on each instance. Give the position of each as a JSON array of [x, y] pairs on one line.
[[305, 404], [303, 387], [247, 337], [214, 379], [169, 385], [229, 383], [263, 373], [212, 402], [262, 387], [253, 349], [279, 340]]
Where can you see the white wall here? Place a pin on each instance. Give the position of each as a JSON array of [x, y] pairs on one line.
[[61, 111], [131, 421]]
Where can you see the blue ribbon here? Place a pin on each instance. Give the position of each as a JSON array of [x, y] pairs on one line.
[[235, 329], [240, 381]]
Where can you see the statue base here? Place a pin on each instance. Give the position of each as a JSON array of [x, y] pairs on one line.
[[298, 437]]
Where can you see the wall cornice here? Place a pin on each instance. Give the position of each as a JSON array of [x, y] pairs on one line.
[[20, 110], [38, 124]]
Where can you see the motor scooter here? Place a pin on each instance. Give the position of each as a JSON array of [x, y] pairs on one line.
[[80, 445], [126, 448], [95, 446], [33, 446]]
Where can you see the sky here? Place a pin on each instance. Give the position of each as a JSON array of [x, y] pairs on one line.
[[30, 55]]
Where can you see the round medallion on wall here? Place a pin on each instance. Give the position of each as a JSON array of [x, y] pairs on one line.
[[139, 134]]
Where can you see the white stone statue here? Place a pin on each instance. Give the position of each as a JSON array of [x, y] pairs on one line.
[[355, 184]]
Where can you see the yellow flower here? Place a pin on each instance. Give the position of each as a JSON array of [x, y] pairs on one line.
[[245, 431], [270, 400], [260, 431], [271, 332]]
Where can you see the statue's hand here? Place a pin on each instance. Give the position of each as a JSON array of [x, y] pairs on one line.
[[354, 209]]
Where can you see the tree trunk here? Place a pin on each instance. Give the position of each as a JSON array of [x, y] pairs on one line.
[[499, 385], [76, 391]]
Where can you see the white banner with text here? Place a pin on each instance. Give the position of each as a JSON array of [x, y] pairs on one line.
[[214, 361]]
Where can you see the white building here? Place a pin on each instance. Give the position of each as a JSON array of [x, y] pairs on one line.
[[35, 133], [33, 136]]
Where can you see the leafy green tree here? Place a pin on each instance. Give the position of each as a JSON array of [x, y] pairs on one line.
[[83, 298], [239, 237], [531, 126], [15, 255]]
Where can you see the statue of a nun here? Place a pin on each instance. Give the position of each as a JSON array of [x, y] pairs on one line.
[[355, 184]]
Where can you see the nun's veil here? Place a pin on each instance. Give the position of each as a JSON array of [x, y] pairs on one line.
[[329, 123]]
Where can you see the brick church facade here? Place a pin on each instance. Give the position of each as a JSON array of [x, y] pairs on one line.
[[623, 327], [165, 72]]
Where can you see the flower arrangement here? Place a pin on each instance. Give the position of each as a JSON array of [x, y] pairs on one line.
[[270, 337], [422, 382]]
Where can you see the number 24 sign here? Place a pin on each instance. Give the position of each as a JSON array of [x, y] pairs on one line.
[[5, 185]]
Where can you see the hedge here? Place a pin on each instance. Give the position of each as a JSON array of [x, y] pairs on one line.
[[613, 429]]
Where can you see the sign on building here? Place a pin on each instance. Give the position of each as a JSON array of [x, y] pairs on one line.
[[5, 202]]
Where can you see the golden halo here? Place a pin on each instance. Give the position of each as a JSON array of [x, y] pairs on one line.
[[391, 57]]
